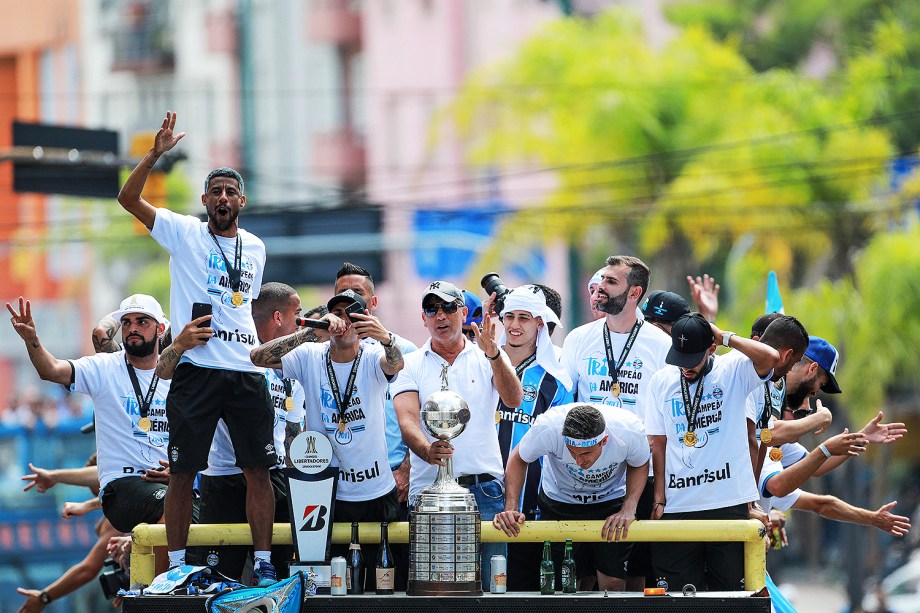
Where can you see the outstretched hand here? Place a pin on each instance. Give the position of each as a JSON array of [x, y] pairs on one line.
[[22, 321], [165, 140], [879, 433], [898, 525], [40, 478], [705, 294]]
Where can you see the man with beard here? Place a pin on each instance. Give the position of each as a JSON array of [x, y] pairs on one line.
[[695, 417], [130, 405], [218, 264], [611, 361]]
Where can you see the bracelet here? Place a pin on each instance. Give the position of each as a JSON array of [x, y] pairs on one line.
[[496, 356], [824, 450], [658, 504]]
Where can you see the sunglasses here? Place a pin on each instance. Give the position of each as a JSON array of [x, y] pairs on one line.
[[800, 413], [450, 308]]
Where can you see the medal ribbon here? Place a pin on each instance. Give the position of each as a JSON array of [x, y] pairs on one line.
[[342, 401], [142, 401], [690, 410], [613, 368], [764, 420], [520, 368], [235, 272]]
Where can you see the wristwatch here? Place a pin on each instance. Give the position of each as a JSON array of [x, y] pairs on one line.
[[390, 343], [726, 338], [44, 597]]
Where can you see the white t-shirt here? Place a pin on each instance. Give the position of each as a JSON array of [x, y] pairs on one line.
[[222, 458], [770, 469], [476, 450], [717, 471], [563, 479], [361, 450], [584, 356], [756, 402], [123, 449], [198, 274]]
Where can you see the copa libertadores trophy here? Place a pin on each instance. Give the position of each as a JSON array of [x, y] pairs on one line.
[[444, 526]]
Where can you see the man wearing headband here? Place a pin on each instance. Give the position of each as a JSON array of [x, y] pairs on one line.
[[592, 296], [481, 376], [526, 319], [611, 361], [595, 465]]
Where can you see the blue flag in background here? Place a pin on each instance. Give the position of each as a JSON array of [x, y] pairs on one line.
[[779, 602], [774, 300]]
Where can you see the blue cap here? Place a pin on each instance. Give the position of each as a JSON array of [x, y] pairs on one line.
[[474, 308], [826, 356]]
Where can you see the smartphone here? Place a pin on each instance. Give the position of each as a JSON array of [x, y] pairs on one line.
[[200, 309], [353, 308]]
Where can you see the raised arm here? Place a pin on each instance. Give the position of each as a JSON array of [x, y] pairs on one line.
[[503, 377], [46, 365], [130, 195], [785, 431], [104, 335], [764, 357], [195, 332], [368, 326], [268, 355], [844, 444]]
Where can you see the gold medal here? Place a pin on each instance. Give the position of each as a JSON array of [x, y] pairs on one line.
[[237, 298], [144, 424], [288, 403], [341, 427], [776, 454], [498, 417], [615, 389], [690, 439], [766, 435]]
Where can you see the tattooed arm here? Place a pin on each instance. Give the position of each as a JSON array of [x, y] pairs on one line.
[[268, 355], [291, 430], [192, 335], [104, 335]]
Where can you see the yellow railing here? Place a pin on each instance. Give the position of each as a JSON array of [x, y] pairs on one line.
[[750, 532]]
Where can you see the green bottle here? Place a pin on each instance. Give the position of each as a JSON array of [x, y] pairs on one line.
[[547, 571], [569, 577]]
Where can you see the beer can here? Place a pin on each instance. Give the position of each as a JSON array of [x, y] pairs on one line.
[[499, 570], [337, 585]]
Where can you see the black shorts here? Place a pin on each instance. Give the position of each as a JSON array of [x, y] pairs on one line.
[[129, 501], [640, 559], [223, 501], [199, 397], [715, 567], [608, 558]]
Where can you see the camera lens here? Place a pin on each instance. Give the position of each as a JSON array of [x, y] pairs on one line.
[[493, 284]]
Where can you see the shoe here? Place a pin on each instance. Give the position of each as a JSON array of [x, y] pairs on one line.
[[264, 575]]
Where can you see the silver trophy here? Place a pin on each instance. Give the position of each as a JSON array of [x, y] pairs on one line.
[[444, 527]]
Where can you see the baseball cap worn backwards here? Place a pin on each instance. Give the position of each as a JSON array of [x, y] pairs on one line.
[[446, 291], [691, 338], [826, 356]]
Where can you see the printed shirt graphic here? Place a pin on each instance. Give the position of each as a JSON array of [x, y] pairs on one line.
[[717, 471], [565, 481], [361, 450], [198, 274], [476, 449], [541, 391], [584, 356], [222, 458], [123, 449]]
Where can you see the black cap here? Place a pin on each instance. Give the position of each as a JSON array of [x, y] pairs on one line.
[[691, 338], [664, 306], [349, 296]]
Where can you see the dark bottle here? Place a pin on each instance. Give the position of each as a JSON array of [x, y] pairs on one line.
[[547, 571], [385, 568], [354, 564], [569, 577]]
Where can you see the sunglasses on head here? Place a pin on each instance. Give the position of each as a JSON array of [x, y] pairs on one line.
[[800, 413], [432, 309]]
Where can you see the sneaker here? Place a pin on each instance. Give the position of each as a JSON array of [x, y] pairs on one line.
[[264, 574]]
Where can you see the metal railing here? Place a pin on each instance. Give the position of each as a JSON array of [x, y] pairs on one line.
[[749, 532]]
